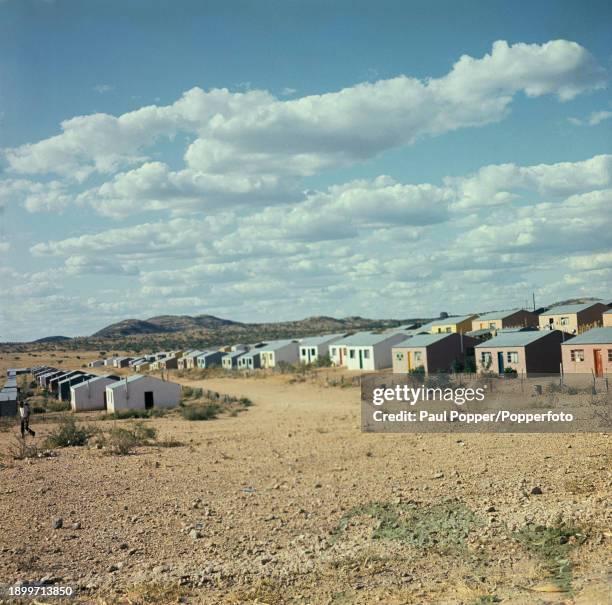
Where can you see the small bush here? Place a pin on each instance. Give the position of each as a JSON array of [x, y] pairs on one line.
[[201, 412], [20, 449], [68, 434], [143, 433], [54, 405], [136, 413], [121, 442]]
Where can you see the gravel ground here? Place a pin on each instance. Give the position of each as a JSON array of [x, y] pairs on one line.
[[288, 502]]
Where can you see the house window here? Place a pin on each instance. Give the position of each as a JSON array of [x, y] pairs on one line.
[[313, 351], [449, 329], [417, 356], [333, 351], [352, 353], [486, 358], [492, 325], [400, 356], [577, 354], [512, 357], [565, 321], [609, 354], [366, 354], [303, 351]]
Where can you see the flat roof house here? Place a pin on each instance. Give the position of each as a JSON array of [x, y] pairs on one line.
[[313, 347], [90, 394], [573, 319], [607, 318], [522, 351], [462, 324], [142, 392], [498, 320], [96, 363], [365, 350], [432, 352], [279, 351], [589, 352]]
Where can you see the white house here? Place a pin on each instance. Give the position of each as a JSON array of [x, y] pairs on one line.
[[96, 363], [90, 395], [317, 346], [277, 351], [365, 350], [142, 392]]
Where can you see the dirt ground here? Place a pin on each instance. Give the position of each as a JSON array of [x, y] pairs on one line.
[[288, 502]]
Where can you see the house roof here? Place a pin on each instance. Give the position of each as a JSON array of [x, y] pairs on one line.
[[365, 339], [129, 381], [498, 314], [232, 354], [609, 312], [276, 344], [445, 321], [477, 333], [96, 379], [421, 340], [596, 336], [569, 309], [313, 341], [514, 339]]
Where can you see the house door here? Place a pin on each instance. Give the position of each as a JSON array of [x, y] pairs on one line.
[[148, 397], [340, 351], [360, 359], [105, 402], [598, 362], [500, 361], [408, 360]]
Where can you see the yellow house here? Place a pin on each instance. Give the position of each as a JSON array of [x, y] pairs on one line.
[[573, 319], [450, 325], [607, 318], [498, 320]]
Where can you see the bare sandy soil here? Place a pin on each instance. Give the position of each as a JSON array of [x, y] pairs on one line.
[[289, 502]]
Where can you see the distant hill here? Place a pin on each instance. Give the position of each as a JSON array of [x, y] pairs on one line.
[[162, 324], [53, 339]]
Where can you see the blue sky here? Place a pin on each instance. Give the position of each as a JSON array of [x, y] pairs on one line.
[[429, 178]]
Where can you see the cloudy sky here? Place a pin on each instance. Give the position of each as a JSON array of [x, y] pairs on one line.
[[275, 160]]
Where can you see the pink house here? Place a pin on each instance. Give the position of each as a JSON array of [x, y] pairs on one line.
[[589, 353]]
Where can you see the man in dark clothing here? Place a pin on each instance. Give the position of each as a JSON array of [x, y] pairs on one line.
[[24, 412]]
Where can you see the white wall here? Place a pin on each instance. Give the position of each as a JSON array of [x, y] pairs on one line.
[[89, 395], [165, 394]]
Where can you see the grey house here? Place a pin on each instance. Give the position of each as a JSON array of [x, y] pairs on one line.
[[210, 359], [63, 388], [230, 360], [317, 346], [54, 382]]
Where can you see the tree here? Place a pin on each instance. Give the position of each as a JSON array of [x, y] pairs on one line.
[[443, 315]]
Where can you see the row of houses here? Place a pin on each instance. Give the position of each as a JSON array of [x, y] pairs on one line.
[[88, 392], [9, 394], [510, 340]]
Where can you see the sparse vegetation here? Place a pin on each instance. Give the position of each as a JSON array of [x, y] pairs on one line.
[[68, 434], [440, 527], [201, 411], [552, 545]]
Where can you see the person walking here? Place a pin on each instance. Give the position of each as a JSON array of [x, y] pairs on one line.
[[24, 412]]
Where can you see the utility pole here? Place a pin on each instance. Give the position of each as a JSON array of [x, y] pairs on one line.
[[533, 296]]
